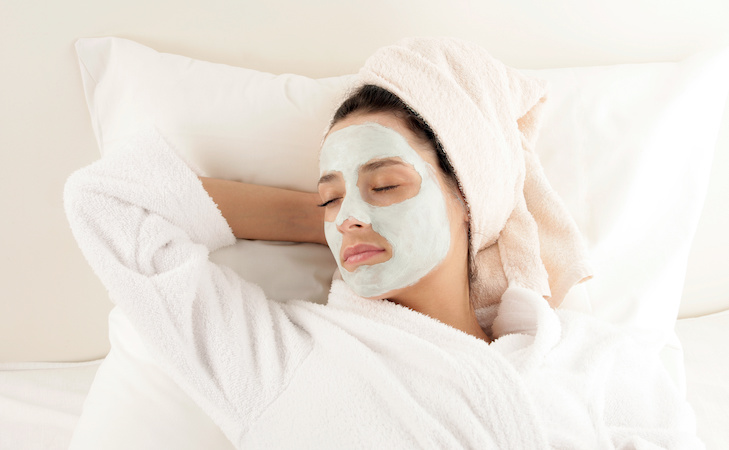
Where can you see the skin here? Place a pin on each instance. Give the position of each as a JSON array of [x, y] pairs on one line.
[[268, 213], [444, 292]]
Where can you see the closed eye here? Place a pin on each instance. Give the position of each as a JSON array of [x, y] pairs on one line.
[[328, 202], [385, 188]]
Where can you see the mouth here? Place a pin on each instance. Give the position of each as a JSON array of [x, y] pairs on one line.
[[360, 253]]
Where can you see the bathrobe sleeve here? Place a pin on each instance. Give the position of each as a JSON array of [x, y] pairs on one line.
[[597, 384], [146, 225]]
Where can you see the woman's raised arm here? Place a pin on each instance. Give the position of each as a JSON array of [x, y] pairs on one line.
[[268, 213], [147, 227]]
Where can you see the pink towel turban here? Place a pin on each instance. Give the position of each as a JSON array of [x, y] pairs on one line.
[[486, 115]]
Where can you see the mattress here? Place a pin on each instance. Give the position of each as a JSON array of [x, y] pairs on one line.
[[706, 357], [40, 403]]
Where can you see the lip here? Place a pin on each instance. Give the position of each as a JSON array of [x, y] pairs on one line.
[[360, 253]]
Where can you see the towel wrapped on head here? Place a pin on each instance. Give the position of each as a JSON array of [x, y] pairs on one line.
[[486, 116]]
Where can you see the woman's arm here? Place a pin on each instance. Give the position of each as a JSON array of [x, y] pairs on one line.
[[147, 226], [268, 213]]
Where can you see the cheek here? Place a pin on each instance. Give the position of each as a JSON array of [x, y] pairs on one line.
[[333, 238], [330, 213]]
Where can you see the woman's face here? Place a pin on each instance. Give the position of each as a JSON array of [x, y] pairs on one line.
[[390, 216]]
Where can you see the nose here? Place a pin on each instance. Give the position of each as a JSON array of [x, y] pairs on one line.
[[351, 224]]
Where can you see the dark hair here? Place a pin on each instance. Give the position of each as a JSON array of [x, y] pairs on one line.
[[374, 99]]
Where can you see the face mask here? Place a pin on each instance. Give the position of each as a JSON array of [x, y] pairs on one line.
[[417, 229]]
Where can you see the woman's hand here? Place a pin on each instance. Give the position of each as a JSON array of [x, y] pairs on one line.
[[268, 213]]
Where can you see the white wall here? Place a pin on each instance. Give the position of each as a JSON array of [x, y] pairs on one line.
[[53, 308]]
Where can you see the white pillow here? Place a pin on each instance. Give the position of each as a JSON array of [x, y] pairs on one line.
[[226, 122], [628, 148]]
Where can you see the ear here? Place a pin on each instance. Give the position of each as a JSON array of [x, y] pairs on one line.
[[466, 214], [463, 206]]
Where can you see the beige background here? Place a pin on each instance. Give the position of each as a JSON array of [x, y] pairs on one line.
[[53, 308]]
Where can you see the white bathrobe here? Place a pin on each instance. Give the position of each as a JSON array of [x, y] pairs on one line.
[[354, 373]]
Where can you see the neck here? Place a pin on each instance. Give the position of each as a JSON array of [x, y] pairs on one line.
[[443, 295]]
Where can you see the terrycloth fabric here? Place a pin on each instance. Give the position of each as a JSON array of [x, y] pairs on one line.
[[354, 373], [486, 115]]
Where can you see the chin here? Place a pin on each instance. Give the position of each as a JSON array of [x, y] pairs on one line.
[[385, 296]]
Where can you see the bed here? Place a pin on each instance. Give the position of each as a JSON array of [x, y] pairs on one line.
[[636, 141]]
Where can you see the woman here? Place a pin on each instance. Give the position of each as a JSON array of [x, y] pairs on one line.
[[399, 357], [383, 184]]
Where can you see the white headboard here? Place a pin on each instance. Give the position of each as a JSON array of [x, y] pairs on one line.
[[52, 307]]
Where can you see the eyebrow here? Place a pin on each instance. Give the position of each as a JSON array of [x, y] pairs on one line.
[[380, 163], [327, 178], [367, 168]]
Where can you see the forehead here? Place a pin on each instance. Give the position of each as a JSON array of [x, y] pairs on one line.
[[347, 149]]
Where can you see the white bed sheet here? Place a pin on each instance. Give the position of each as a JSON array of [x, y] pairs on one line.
[[705, 342], [40, 403]]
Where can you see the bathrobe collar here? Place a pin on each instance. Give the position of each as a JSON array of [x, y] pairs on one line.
[[404, 318]]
